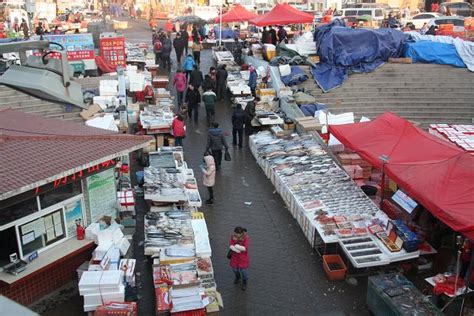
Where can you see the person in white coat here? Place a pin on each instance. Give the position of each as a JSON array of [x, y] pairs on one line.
[[209, 178]]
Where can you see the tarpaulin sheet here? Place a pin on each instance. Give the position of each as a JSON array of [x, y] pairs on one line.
[[296, 77], [433, 53], [464, 48], [343, 49], [437, 174]]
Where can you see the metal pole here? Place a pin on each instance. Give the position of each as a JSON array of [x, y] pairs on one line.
[[220, 25]]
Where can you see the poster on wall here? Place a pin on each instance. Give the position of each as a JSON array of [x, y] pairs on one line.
[[77, 46], [73, 212], [102, 195]]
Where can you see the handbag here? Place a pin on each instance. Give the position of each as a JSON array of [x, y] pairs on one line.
[[227, 155], [229, 254]]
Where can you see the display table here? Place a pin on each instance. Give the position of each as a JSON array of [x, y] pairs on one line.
[[393, 294], [459, 292]]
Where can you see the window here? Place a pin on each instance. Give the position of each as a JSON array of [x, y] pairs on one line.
[[15, 208], [364, 12], [423, 16], [378, 12], [60, 194], [42, 232], [350, 12], [8, 245]]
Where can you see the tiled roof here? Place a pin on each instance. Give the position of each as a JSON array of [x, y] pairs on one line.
[[35, 150]]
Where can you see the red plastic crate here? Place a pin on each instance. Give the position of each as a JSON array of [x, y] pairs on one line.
[[194, 312]]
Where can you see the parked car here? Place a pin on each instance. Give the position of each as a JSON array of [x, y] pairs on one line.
[[457, 8], [376, 14], [420, 19], [457, 21]]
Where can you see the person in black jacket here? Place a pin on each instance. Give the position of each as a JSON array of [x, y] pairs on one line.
[[195, 78], [207, 84], [184, 38], [273, 36], [178, 47], [215, 142], [221, 82], [238, 121], [249, 115], [167, 47], [265, 36], [193, 101]]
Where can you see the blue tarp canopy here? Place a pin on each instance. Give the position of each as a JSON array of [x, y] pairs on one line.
[[433, 52], [342, 49]]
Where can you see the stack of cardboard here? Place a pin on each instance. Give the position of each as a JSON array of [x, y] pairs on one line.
[[308, 124], [101, 287], [353, 159]]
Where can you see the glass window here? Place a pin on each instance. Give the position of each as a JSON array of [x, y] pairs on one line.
[[423, 16], [378, 12], [364, 12], [350, 12], [8, 245], [60, 194], [42, 232], [16, 208]]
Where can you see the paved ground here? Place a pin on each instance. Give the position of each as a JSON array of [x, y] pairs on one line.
[[286, 275]]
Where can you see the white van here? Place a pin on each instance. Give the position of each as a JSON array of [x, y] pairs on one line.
[[377, 14]]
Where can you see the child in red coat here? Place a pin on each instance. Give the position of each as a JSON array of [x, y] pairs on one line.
[[239, 258], [179, 130]]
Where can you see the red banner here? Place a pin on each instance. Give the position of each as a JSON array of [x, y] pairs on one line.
[[113, 50]]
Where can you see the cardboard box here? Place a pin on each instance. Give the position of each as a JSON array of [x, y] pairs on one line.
[[93, 109]]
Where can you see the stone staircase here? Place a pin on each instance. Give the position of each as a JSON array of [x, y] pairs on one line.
[[424, 93]]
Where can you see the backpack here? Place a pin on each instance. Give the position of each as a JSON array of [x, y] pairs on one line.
[[167, 46], [157, 47]]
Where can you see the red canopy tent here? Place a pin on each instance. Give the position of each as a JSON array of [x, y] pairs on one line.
[[432, 171], [237, 14], [282, 14]]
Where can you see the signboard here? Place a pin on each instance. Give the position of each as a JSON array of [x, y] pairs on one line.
[[102, 194], [78, 46], [112, 49], [73, 212], [405, 202]]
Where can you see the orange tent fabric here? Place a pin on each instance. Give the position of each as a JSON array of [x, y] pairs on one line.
[[237, 14], [283, 14], [435, 173]]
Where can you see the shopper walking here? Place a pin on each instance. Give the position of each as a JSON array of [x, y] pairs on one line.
[[221, 82], [238, 121], [166, 53], [179, 130], [209, 178], [213, 75], [195, 78], [249, 115], [178, 47], [239, 257], [188, 65], [157, 49], [253, 80], [282, 34], [193, 101], [216, 142], [197, 47], [210, 99], [273, 36], [24, 27], [184, 38], [180, 82], [207, 84]]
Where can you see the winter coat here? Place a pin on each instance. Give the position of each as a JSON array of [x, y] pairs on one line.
[[178, 45], [250, 110], [216, 139], [238, 119], [207, 84], [180, 82], [253, 79], [178, 128], [189, 63], [167, 47], [197, 47], [196, 78], [221, 76], [210, 99], [240, 259], [193, 97], [209, 177]]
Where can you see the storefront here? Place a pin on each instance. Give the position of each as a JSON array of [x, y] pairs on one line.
[[49, 189]]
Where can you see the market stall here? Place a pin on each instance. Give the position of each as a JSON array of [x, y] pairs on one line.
[[329, 207]]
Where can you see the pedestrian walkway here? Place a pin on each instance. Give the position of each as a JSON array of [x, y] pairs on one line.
[[286, 275]]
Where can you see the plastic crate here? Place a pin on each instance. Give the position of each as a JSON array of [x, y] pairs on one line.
[[334, 275], [194, 312]]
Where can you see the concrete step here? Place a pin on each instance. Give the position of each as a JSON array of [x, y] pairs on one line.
[[411, 114], [388, 107], [398, 98], [16, 97], [314, 90]]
